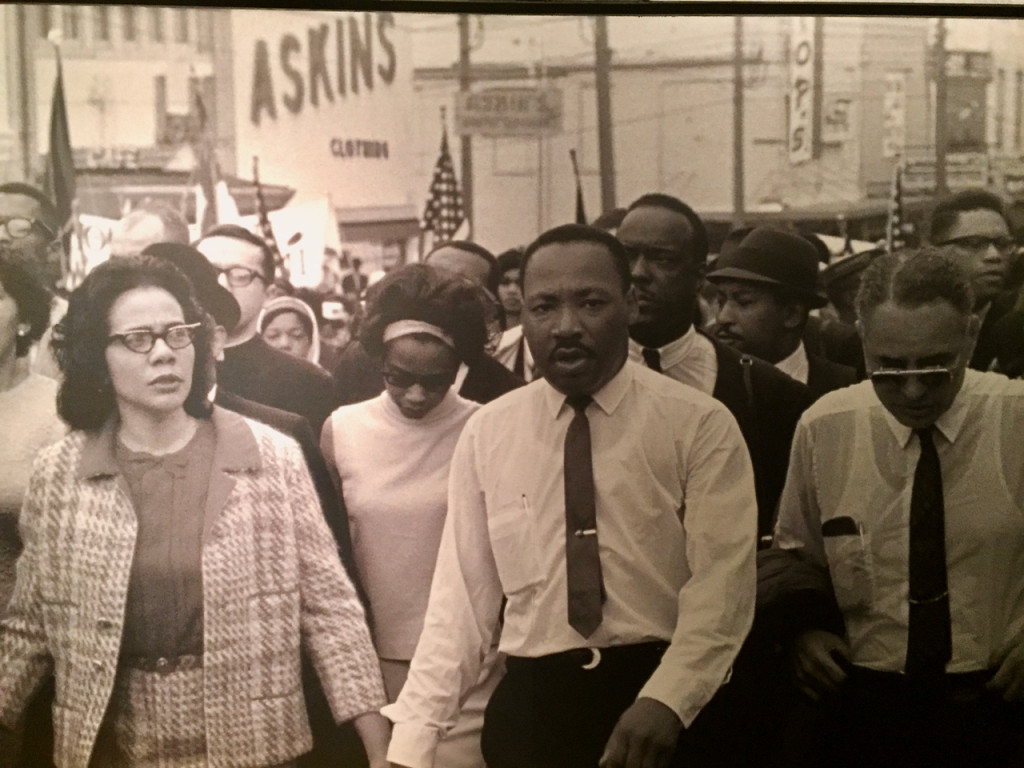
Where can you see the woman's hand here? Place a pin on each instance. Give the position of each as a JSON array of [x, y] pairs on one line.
[[375, 732]]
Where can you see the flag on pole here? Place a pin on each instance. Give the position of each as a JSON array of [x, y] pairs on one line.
[[443, 214], [214, 204], [894, 224], [60, 167], [581, 214], [264, 217]]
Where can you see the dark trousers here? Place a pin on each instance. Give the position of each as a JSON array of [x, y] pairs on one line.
[[551, 712], [880, 718]]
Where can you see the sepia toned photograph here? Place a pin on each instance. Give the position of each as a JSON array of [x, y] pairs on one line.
[[512, 385]]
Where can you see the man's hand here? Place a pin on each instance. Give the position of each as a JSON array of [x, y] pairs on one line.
[[1009, 678], [644, 737], [816, 662]]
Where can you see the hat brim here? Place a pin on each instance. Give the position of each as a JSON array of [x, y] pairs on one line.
[[813, 300]]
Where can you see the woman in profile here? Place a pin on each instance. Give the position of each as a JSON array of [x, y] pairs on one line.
[[174, 556]]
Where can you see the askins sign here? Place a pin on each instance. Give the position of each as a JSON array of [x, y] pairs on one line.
[[324, 99]]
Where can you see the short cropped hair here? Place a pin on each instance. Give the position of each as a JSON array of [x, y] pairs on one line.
[[947, 212], [174, 224], [236, 232], [581, 233], [699, 233], [419, 292], [86, 399], [510, 259], [474, 248], [912, 278], [47, 209], [32, 301]]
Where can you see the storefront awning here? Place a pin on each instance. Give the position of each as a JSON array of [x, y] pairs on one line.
[[381, 224]]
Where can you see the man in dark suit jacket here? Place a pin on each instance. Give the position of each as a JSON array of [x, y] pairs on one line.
[[767, 287], [668, 247]]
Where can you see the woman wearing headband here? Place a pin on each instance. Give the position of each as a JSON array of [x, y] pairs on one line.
[[392, 455]]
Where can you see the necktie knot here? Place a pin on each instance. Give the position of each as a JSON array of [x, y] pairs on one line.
[[652, 358], [579, 403], [924, 434]]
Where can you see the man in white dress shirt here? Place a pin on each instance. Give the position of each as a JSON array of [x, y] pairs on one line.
[[661, 577], [908, 489]]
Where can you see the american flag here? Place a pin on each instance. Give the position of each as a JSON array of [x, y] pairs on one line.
[[443, 214], [265, 226], [894, 224]]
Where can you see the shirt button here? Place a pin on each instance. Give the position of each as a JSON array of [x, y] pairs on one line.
[[97, 664], [162, 664]]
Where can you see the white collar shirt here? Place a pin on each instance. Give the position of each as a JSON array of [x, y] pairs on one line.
[[852, 458], [796, 365], [676, 521], [690, 359]]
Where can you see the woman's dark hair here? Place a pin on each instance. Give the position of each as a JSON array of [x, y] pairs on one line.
[[32, 301], [419, 292], [86, 397], [307, 324], [510, 259]]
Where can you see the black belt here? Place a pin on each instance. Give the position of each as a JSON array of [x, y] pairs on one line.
[[162, 664], [953, 681], [589, 658]]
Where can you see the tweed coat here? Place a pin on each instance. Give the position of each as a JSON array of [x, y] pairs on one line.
[[270, 571]]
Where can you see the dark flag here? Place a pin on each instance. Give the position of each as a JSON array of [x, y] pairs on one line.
[[581, 214], [894, 224], [261, 204], [443, 214], [60, 165], [214, 204]]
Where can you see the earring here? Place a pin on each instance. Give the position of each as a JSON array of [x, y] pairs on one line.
[[22, 333]]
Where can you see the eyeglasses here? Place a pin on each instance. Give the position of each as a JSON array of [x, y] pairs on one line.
[[434, 382], [19, 227], [894, 378], [656, 255], [1005, 245], [143, 340], [239, 277]]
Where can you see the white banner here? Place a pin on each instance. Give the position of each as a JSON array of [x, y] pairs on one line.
[[302, 233], [894, 114], [324, 98], [800, 141]]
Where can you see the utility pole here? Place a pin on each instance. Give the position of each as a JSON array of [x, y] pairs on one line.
[[467, 140], [602, 70], [941, 187], [738, 195]]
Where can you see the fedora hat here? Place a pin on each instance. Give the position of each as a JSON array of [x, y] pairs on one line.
[[215, 298], [774, 258]]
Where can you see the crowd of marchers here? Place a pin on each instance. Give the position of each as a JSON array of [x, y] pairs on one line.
[[604, 500]]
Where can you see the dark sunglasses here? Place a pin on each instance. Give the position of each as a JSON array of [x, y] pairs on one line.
[[434, 382], [143, 341], [895, 378]]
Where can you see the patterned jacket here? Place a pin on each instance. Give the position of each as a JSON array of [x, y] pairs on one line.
[[271, 575]]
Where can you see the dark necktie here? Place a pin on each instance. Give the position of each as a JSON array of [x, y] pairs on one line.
[[653, 358], [929, 642], [582, 558]]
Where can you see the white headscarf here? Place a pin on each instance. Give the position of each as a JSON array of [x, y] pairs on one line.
[[296, 305]]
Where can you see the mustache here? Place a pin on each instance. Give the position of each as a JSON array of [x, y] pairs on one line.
[[569, 346]]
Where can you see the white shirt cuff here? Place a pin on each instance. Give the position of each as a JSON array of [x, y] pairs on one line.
[[412, 745]]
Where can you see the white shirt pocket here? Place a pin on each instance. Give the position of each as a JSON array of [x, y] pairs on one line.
[[513, 533], [851, 566]]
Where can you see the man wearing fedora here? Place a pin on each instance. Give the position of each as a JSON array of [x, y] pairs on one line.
[[767, 287], [667, 246]]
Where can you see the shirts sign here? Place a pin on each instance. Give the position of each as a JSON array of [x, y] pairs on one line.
[[510, 112], [800, 142]]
